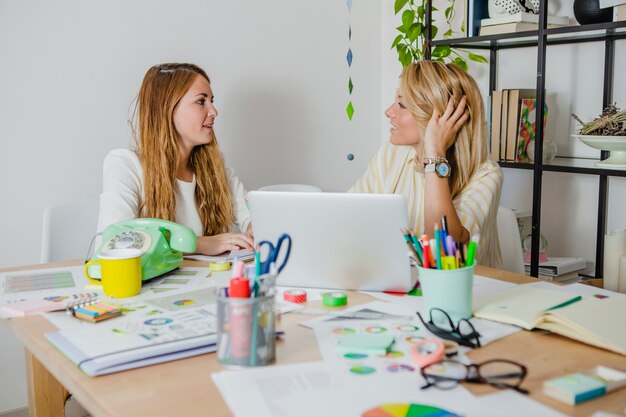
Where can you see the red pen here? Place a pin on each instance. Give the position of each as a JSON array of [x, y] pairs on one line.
[[240, 317], [426, 251]]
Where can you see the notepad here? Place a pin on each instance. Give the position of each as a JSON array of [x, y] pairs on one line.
[[521, 305], [590, 320], [30, 307]]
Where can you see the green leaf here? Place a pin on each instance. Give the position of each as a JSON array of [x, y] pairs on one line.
[[448, 33], [435, 9], [401, 48], [442, 51], [406, 60], [414, 31], [420, 12], [477, 58], [433, 31], [448, 12], [396, 41], [407, 19], [401, 29], [460, 62], [399, 5]]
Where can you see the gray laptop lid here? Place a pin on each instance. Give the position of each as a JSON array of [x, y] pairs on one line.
[[340, 240]]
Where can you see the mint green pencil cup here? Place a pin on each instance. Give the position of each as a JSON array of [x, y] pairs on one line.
[[448, 289]]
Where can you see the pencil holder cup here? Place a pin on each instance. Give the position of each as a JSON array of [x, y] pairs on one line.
[[449, 290], [246, 331]]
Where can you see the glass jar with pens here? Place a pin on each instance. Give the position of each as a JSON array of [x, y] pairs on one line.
[[245, 310], [246, 326]]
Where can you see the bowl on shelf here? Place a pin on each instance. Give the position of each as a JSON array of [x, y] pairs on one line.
[[615, 144]]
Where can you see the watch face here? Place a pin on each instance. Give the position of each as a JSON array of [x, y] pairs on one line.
[[443, 169]]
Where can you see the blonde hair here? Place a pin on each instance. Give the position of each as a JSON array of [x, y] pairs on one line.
[[158, 149], [426, 86]]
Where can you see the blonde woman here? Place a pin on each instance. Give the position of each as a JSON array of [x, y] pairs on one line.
[[438, 157], [177, 172]]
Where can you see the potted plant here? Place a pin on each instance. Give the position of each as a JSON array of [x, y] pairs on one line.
[[606, 132], [411, 43]]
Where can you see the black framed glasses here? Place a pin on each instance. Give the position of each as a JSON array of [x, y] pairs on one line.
[[500, 373], [440, 324]]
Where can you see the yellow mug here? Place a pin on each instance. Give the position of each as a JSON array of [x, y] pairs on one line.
[[120, 270]]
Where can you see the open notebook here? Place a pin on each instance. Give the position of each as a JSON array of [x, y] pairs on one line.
[[590, 320]]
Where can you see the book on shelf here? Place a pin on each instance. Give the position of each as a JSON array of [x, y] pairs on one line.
[[510, 28], [477, 10], [495, 116], [524, 17], [526, 131], [567, 278], [512, 123], [555, 266], [619, 13], [504, 116], [610, 3], [586, 319]]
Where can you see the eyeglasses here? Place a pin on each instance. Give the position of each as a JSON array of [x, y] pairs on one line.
[[441, 325], [500, 373]]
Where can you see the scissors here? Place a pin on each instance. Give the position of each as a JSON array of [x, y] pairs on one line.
[[273, 252]]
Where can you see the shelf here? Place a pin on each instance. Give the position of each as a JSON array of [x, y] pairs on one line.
[[555, 36], [566, 164]]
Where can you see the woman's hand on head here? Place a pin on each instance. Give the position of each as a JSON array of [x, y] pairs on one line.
[[441, 131], [226, 242]]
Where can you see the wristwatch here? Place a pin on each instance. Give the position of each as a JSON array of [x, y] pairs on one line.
[[438, 165]]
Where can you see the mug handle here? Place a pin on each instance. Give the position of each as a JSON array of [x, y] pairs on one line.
[[93, 281]]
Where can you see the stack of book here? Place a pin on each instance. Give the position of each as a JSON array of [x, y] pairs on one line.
[[619, 8], [512, 123], [562, 270], [518, 22]]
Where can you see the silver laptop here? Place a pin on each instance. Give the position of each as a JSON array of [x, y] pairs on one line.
[[339, 240]]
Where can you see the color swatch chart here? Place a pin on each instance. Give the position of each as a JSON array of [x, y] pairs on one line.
[[38, 282], [398, 358], [407, 410]]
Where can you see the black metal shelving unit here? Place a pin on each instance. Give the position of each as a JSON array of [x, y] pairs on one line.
[[541, 38]]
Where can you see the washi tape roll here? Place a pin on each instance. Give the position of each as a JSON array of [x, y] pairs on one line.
[[219, 266], [335, 299], [295, 296]]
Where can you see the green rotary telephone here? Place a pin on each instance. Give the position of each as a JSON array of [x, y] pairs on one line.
[[161, 243]]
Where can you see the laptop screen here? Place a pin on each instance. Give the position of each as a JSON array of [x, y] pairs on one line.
[[339, 240]]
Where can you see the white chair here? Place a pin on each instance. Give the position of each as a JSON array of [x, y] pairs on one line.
[[291, 187], [68, 229], [510, 241]]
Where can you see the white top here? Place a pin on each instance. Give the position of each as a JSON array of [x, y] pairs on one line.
[[393, 171], [122, 194]]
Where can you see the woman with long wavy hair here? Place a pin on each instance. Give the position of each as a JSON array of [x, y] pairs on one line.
[[438, 158], [177, 172]]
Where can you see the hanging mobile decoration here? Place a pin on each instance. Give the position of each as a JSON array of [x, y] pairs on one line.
[[350, 108]]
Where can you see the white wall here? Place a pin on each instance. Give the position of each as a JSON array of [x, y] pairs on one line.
[[71, 69]]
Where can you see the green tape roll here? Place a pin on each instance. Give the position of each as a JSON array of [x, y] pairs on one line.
[[335, 299]]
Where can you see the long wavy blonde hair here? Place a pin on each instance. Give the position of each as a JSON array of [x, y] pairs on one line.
[[429, 85], [158, 149]]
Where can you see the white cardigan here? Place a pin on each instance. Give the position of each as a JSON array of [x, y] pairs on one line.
[[122, 194]]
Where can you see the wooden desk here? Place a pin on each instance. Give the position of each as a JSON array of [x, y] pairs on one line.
[[185, 386]]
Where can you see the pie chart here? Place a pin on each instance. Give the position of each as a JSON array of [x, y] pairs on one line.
[[407, 410]]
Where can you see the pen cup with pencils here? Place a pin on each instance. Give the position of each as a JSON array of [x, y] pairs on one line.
[[446, 271], [449, 290], [246, 328]]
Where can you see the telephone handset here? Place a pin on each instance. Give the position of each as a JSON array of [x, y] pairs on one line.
[[161, 243]]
